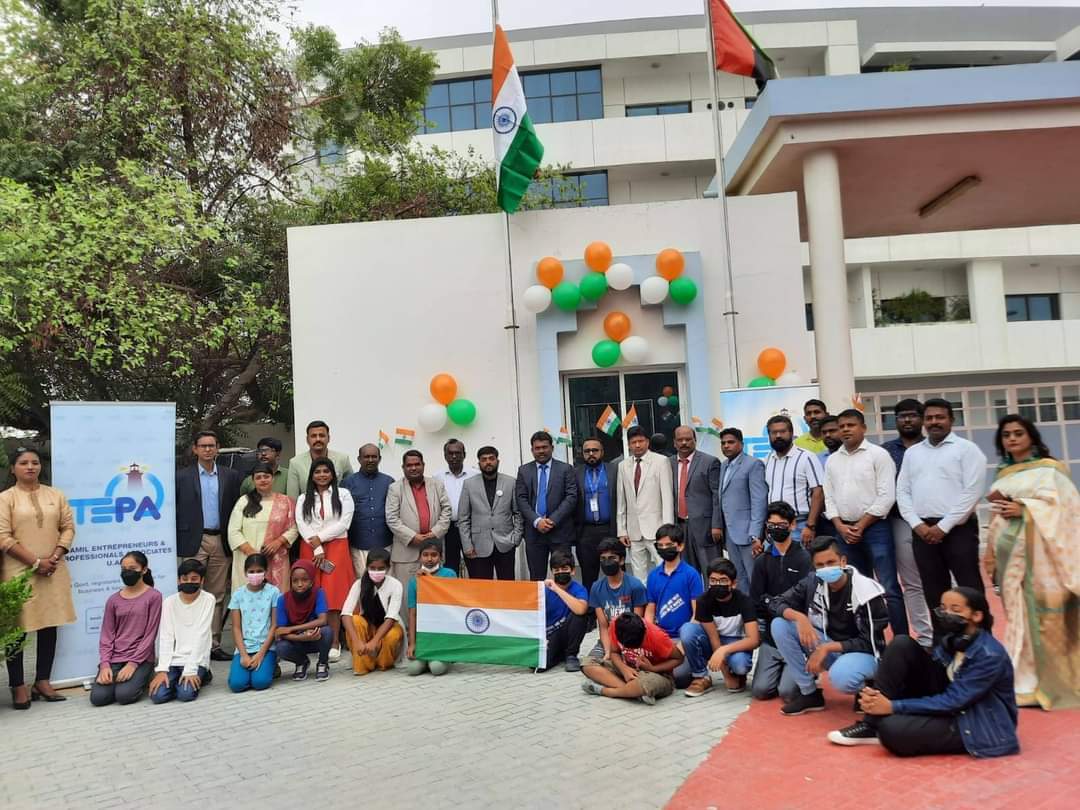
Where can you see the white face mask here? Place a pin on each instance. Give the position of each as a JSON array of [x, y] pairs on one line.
[[431, 569]]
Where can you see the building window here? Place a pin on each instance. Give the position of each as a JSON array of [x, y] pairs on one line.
[[809, 317], [574, 190], [750, 101], [1032, 307], [919, 306], [673, 108], [457, 104]]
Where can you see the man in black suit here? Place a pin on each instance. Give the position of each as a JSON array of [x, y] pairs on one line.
[[696, 477], [595, 516], [547, 495], [205, 495]]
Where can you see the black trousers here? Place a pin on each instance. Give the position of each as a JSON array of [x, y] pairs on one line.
[[122, 692], [452, 549], [498, 564], [588, 551], [565, 640], [906, 670], [957, 556], [46, 652], [536, 555]]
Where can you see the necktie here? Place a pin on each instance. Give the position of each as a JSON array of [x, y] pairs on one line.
[[684, 476], [541, 492], [637, 474]]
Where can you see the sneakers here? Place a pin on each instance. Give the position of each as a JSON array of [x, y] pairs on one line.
[[591, 688], [858, 733], [801, 704], [698, 687], [335, 655], [573, 663], [300, 673], [648, 700], [322, 672]]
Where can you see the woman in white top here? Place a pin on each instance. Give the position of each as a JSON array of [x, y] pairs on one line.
[[323, 515], [373, 616]]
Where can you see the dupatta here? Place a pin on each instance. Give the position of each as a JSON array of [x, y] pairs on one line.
[[282, 518]]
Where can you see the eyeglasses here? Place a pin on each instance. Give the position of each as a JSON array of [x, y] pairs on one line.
[[718, 582], [206, 447], [776, 525]]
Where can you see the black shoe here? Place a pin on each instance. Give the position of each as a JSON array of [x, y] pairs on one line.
[[573, 663], [277, 671], [300, 673], [322, 672], [19, 706], [218, 654], [860, 733], [35, 694], [801, 704]]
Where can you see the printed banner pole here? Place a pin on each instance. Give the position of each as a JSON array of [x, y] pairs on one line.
[[115, 462]]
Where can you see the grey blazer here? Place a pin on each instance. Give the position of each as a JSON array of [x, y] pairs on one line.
[[404, 522], [702, 508], [485, 527], [743, 499]]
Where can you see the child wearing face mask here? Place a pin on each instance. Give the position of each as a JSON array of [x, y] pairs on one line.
[[184, 636], [566, 604], [673, 588], [253, 626], [430, 566], [128, 631], [371, 616]]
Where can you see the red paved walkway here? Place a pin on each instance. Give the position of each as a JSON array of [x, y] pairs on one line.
[[768, 762]]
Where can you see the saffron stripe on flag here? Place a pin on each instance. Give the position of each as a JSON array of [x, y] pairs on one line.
[[486, 593], [509, 651]]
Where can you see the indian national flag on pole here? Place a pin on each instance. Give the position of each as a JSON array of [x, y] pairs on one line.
[[563, 437], [384, 440], [517, 149], [631, 420], [699, 426], [481, 621], [608, 421], [717, 426], [404, 436]]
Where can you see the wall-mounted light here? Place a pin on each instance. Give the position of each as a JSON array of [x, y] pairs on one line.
[[950, 194]]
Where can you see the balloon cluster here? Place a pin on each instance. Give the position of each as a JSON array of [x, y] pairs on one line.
[[669, 280], [619, 342], [771, 363], [667, 398], [566, 295], [433, 416]]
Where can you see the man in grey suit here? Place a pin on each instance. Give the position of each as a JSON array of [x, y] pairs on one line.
[[696, 477], [417, 509], [489, 521], [548, 510], [742, 500]]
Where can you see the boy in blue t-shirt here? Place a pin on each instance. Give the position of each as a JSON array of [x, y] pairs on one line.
[[673, 589], [430, 566], [616, 592], [566, 604]]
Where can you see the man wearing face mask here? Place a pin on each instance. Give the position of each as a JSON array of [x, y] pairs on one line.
[[833, 620], [794, 476], [566, 605], [616, 592], [783, 566]]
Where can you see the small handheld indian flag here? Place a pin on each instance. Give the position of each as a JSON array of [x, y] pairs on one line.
[[631, 420], [699, 426], [481, 621], [563, 437], [857, 403], [717, 426], [384, 440], [608, 421], [404, 436], [517, 149]]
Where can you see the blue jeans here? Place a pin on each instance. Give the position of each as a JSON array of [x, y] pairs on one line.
[[241, 678], [876, 556], [698, 649], [297, 652], [847, 671], [173, 689]]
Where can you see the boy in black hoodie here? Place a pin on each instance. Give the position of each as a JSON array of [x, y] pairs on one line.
[[833, 620]]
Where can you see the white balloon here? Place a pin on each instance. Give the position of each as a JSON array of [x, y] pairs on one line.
[[661, 401], [791, 377], [619, 276], [432, 418], [634, 349], [654, 290], [536, 298]]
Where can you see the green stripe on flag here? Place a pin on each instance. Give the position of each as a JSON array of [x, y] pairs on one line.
[[519, 165], [478, 649]]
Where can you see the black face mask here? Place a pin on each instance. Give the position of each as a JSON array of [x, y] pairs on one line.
[[610, 567], [951, 623], [563, 578], [956, 642], [777, 534], [780, 445], [667, 553], [189, 587], [129, 577], [720, 591]]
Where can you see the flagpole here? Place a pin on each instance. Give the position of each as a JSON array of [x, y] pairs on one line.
[[721, 190]]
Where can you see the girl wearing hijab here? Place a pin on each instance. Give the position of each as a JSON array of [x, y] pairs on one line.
[[372, 613], [301, 623]]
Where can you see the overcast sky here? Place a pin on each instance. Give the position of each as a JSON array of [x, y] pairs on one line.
[[353, 20]]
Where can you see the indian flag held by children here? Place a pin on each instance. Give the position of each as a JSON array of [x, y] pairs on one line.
[[517, 149], [481, 621], [608, 421]]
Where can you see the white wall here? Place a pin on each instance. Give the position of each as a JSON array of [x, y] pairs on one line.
[[667, 345]]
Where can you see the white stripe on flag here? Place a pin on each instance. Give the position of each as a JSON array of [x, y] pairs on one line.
[[439, 618]]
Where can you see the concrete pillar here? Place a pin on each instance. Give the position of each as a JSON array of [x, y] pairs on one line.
[[986, 298], [828, 278]]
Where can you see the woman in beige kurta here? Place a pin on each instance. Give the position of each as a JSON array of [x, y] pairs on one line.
[[263, 521], [36, 530]]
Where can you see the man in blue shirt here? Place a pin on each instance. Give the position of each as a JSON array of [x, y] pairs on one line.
[[595, 518], [566, 605], [616, 592], [673, 589], [368, 488]]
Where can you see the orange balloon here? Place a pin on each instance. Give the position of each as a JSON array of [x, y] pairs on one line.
[[669, 263], [598, 257], [667, 390], [617, 326], [443, 388], [771, 362], [549, 272]]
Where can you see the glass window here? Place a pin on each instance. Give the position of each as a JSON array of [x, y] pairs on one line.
[[540, 110], [645, 392], [438, 119], [809, 317], [564, 108], [563, 84], [590, 106], [438, 95], [574, 190], [462, 117], [482, 90], [594, 186], [588, 80], [461, 92], [1070, 399], [536, 84], [589, 396], [635, 112], [1032, 307], [564, 95], [567, 189], [671, 108], [483, 115]]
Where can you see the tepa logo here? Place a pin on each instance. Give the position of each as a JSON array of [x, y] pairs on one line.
[[114, 507]]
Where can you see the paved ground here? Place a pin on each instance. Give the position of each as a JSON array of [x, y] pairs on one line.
[[478, 737]]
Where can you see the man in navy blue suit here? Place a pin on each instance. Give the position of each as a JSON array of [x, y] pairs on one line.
[[547, 496]]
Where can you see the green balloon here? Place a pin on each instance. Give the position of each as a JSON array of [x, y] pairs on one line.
[[461, 412], [682, 290], [605, 353], [566, 296], [761, 382], [673, 401], [593, 286]]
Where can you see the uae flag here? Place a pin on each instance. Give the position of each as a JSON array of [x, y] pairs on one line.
[[517, 149], [608, 421], [736, 51], [481, 621]]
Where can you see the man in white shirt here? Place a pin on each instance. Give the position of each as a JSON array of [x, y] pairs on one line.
[[184, 634], [453, 479], [941, 480], [794, 476], [646, 500], [860, 489]]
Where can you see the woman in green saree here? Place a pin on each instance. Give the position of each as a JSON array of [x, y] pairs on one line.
[[1033, 556]]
